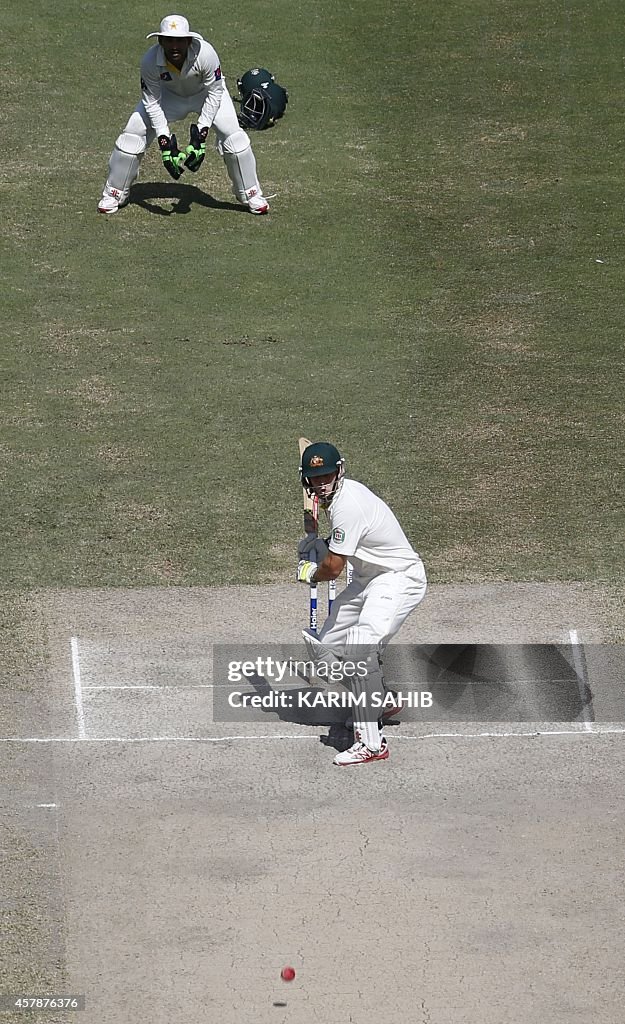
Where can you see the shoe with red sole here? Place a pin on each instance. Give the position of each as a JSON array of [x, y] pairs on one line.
[[361, 754]]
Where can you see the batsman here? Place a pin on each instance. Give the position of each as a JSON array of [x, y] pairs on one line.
[[388, 583], [181, 75]]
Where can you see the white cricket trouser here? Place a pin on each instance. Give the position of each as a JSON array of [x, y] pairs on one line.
[[364, 617], [176, 108], [371, 611]]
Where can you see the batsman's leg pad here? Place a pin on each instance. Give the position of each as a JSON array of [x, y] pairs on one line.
[[240, 163], [370, 688], [362, 642], [328, 661], [318, 651]]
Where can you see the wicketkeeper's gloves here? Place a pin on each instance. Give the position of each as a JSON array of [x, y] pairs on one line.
[[196, 150], [173, 159]]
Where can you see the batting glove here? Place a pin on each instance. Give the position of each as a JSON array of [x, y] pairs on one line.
[[306, 571], [196, 150], [312, 548], [173, 159]]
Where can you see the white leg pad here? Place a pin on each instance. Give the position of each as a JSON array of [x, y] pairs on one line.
[[366, 726], [318, 651], [240, 163], [124, 166]]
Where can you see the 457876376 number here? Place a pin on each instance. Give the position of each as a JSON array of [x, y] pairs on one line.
[[22, 1002]]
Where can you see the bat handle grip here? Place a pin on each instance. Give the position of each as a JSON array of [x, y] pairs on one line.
[[314, 622]]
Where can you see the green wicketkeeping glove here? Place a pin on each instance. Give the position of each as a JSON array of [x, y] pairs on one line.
[[196, 150], [173, 159]]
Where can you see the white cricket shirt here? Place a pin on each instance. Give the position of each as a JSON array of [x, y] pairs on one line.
[[200, 74], [365, 530]]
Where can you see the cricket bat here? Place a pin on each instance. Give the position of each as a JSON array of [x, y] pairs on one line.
[[311, 529]]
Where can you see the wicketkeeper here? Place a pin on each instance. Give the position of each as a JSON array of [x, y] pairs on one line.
[[388, 583], [181, 75]]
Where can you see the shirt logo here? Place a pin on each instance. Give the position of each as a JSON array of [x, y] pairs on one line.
[[338, 536], [165, 76], [218, 73]]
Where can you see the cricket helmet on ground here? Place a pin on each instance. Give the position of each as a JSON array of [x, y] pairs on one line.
[[263, 101], [320, 459]]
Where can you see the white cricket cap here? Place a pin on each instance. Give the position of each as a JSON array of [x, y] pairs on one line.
[[176, 26]]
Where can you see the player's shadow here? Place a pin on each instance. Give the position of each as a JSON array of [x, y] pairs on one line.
[[299, 713], [339, 737], [148, 195]]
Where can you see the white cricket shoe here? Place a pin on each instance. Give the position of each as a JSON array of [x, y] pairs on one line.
[[361, 754], [258, 204], [254, 200], [111, 201]]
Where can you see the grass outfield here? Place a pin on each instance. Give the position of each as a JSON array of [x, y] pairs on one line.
[[438, 290]]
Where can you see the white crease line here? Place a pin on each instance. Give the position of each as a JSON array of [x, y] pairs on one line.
[[80, 714], [597, 731], [45, 805], [147, 739], [581, 671], [284, 686], [165, 686]]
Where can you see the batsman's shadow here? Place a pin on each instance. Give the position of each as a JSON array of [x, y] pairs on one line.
[[299, 712], [301, 708], [147, 195], [339, 737]]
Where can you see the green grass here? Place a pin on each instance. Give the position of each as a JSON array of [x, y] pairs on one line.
[[425, 293]]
